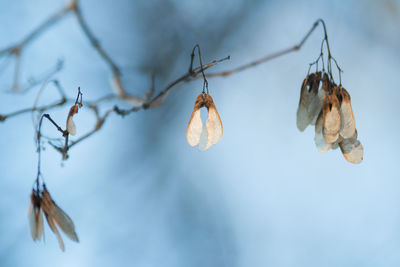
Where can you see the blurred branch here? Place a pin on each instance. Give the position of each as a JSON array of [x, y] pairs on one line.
[[17, 49], [158, 99], [93, 41], [266, 58], [139, 103], [61, 102]]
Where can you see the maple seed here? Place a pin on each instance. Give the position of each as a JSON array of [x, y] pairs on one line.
[[352, 150], [35, 216], [332, 118], [41, 202], [348, 121], [211, 132], [310, 102], [71, 128], [319, 139]]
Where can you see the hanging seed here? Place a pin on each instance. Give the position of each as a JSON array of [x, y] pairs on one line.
[[310, 103], [204, 135], [352, 149], [55, 216], [348, 120], [35, 216], [71, 128], [319, 139], [332, 119]]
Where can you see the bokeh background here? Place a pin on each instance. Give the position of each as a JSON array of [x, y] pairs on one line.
[[141, 196]]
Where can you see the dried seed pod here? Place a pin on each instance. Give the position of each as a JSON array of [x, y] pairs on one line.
[[35, 216], [319, 139], [55, 216], [204, 135], [352, 149], [71, 128], [310, 103], [348, 121], [332, 118]]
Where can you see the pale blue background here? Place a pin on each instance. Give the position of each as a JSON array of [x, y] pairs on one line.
[[141, 196]]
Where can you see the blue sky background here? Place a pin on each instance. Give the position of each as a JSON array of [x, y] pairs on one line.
[[264, 196]]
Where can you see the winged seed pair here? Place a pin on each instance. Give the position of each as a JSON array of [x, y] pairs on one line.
[[41, 202]]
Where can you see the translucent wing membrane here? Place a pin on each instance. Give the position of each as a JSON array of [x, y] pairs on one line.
[[36, 223], [35, 217], [56, 217], [214, 125], [352, 149], [195, 127], [208, 134], [310, 102], [319, 139], [332, 120], [65, 223], [203, 143], [52, 224], [71, 128], [348, 121]]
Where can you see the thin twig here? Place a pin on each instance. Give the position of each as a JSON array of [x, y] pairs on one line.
[[266, 58], [43, 108], [94, 42], [28, 110], [17, 49], [190, 75]]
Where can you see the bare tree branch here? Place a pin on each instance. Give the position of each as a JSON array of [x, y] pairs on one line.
[[266, 58], [148, 101]]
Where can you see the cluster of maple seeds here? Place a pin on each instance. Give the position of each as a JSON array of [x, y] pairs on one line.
[[328, 107], [41, 202]]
